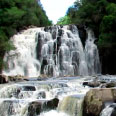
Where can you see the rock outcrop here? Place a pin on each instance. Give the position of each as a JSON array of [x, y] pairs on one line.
[[36, 107], [6, 79], [95, 99]]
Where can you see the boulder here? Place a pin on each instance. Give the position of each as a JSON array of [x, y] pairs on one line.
[[108, 85], [95, 99], [16, 78], [92, 84], [51, 104], [36, 107], [3, 79], [28, 88]]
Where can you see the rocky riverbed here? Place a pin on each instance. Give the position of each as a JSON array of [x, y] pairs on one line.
[[62, 96]]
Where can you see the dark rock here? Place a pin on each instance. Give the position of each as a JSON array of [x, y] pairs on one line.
[[3, 79], [82, 33], [36, 107], [52, 104], [54, 35], [92, 84], [15, 78], [44, 63], [28, 88], [39, 46], [61, 26], [85, 83], [60, 32], [46, 29], [109, 85]]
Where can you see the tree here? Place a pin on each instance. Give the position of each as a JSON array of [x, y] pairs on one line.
[[64, 20], [99, 15]]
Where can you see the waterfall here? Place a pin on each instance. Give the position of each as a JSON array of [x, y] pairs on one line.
[[71, 105], [92, 55], [52, 51], [109, 110]]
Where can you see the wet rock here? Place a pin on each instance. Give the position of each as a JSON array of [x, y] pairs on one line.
[[3, 79], [85, 83], [95, 99], [36, 107], [92, 84], [46, 29], [108, 85], [6, 79], [28, 88], [16, 78], [52, 104], [39, 46], [60, 32], [44, 63], [82, 33], [54, 35]]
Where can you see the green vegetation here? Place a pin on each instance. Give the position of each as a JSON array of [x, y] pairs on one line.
[[99, 15], [64, 20], [14, 16]]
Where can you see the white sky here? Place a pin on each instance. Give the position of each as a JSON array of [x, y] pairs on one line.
[[56, 8]]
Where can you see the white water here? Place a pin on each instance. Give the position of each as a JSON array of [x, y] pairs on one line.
[[53, 113], [92, 55], [107, 111], [56, 52], [15, 99]]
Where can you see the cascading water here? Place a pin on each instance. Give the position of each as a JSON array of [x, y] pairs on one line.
[[109, 110], [54, 96], [92, 55], [52, 51]]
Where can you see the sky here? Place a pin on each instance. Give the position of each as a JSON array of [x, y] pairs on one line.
[[56, 8]]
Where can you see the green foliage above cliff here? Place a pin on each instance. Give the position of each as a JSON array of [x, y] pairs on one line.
[[16, 15], [64, 20], [99, 15]]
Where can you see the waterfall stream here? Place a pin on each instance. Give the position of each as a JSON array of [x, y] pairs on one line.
[[55, 96], [52, 51]]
